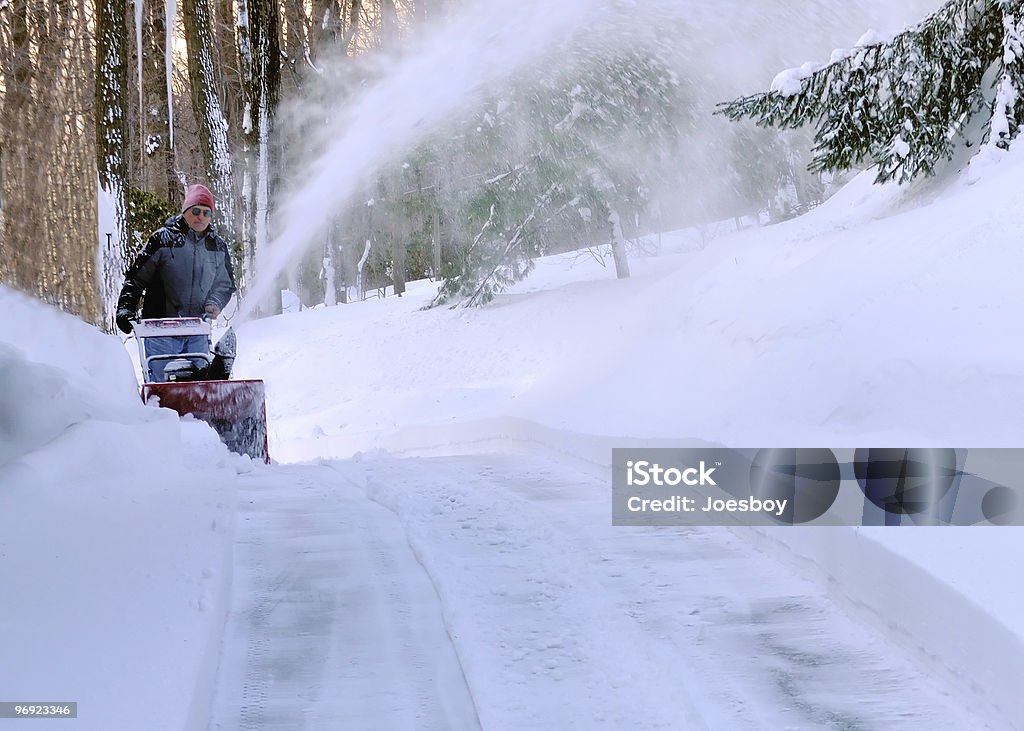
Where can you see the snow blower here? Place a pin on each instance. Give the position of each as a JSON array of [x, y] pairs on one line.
[[197, 383]]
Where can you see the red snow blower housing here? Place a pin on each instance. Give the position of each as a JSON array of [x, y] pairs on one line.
[[197, 383]]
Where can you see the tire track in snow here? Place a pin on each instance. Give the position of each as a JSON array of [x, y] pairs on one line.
[[333, 622], [564, 621]]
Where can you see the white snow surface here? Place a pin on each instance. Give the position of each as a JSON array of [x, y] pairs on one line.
[[115, 532], [790, 81], [110, 263], [433, 548]]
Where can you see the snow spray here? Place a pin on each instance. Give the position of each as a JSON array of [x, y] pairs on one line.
[[485, 43]]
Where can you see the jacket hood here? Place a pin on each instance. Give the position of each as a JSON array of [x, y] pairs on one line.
[[176, 222]]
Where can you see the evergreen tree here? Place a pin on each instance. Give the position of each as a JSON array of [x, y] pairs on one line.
[[768, 172], [563, 156], [909, 103]]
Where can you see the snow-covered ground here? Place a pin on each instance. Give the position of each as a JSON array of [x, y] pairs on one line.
[[434, 548], [115, 533]]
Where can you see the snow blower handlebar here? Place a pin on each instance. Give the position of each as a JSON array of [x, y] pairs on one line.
[[173, 327]]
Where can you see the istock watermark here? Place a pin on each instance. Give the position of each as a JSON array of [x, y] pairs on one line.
[[818, 486], [645, 473]]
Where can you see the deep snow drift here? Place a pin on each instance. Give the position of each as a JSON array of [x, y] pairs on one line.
[[115, 532]]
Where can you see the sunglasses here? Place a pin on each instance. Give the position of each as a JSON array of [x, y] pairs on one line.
[[205, 213]]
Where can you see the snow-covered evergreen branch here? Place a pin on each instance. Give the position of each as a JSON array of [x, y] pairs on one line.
[[904, 104]]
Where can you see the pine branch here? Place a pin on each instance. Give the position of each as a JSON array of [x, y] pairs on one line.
[[486, 286], [900, 103]]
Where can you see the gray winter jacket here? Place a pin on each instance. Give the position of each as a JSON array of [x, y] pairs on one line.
[[180, 272]]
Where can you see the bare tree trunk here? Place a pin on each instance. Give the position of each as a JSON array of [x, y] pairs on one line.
[[19, 118], [436, 226], [353, 26], [324, 37], [76, 157], [262, 79], [48, 143], [325, 30], [365, 255], [232, 97], [296, 46], [399, 240], [225, 26], [157, 173], [328, 272], [133, 152], [618, 245], [111, 145], [206, 105], [424, 12], [389, 24]]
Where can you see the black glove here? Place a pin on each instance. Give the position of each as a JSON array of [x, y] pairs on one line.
[[124, 321]]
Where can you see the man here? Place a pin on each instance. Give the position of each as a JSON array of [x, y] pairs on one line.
[[184, 271]]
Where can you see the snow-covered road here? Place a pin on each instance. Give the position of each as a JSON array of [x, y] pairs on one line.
[[493, 592], [334, 623]]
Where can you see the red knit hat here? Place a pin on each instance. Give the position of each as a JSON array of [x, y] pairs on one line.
[[197, 195]]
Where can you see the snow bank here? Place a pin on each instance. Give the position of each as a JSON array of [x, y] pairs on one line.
[[55, 372], [115, 532], [948, 595]]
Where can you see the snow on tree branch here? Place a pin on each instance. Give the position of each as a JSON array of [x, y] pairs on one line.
[[904, 104]]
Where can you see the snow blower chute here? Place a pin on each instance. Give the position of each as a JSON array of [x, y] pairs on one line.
[[197, 383]]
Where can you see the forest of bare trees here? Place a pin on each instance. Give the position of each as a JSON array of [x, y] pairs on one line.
[[48, 240], [109, 109], [133, 100]]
